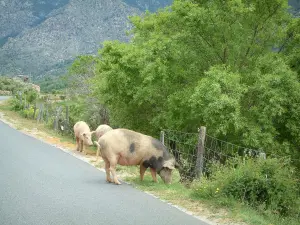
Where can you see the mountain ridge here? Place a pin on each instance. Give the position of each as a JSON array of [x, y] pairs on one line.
[[45, 41], [42, 37]]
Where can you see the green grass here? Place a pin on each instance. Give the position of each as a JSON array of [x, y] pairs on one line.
[[5, 106]]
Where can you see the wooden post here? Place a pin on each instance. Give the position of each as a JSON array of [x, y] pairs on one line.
[[20, 99], [58, 112], [67, 114], [66, 128], [34, 111], [40, 115], [55, 125], [46, 114], [200, 152], [162, 137]]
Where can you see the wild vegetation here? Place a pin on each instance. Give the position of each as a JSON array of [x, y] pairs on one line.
[[10, 86], [51, 85], [231, 66]]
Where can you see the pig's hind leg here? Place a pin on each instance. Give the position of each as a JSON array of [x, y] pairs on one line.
[[153, 173], [107, 170], [142, 171], [77, 144], [81, 146], [113, 163]]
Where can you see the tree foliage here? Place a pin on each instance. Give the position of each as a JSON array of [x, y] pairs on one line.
[[9, 84], [228, 65]]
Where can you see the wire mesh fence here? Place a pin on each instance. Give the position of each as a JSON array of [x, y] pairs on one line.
[[195, 153], [45, 111], [60, 114], [183, 146]]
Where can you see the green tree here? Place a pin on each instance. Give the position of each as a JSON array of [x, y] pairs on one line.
[[213, 63], [78, 74]]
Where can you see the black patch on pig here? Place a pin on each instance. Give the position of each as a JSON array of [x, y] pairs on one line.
[[154, 163], [132, 147], [160, 147], [166, 154], [157, 144]]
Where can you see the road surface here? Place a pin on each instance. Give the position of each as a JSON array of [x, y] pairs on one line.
[[42, 185], [4, 97]]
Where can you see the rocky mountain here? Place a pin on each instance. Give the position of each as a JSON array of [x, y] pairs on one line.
[[295, 7], [42, 37]]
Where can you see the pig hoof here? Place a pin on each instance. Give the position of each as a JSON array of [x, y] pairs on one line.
[[117, 183]]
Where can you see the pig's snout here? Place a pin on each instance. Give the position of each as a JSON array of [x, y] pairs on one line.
[[90, 143], [88, 139], [166, 175]]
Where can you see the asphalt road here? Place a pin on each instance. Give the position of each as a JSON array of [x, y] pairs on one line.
[[41, 185], [4, 97]]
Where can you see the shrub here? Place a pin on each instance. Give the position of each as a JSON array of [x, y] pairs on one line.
[[265, 184], [28, 113], [31, 95], [16, 104]]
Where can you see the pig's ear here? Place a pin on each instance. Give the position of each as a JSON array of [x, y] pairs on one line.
[[93, 132], [169, 164]]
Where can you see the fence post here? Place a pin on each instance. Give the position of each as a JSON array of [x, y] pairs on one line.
[[58, 112], [162, 137], [34, 111], [200, 151], [55, 125], [67, 113], [40, 115], [20, 97]]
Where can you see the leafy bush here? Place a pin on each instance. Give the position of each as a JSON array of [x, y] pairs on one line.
[[265, 184], [31, 95], [28, 113], [16, 104], [10, 85]]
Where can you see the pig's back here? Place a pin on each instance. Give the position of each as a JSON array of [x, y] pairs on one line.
[[131, 145]]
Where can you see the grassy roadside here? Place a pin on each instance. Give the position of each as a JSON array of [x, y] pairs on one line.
[[219, 211]]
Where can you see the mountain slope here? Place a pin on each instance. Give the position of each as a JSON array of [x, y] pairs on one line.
[[16, 15], [42, 37]]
